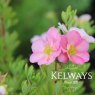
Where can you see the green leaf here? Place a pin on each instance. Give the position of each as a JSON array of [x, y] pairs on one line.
[[68, 17]]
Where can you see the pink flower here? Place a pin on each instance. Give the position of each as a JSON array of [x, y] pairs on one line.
[[74, 48], [46, 48]]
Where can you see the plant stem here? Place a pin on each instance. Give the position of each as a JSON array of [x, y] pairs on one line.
[[3, 34], [2, 27], [55, 66]]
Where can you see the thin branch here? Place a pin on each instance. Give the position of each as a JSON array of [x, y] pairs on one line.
[[3, 33], [2, 26]]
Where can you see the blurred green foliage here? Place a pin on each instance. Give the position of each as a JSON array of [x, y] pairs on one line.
[[13, 68], [8, 14]]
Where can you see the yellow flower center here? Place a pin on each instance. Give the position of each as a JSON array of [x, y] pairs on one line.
[[48, 50], [72, 50]]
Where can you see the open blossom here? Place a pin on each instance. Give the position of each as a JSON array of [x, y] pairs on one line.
[[74, 48], [46, 48], [82, 33]]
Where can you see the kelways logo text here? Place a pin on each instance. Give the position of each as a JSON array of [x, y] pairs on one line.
[[71, 75]]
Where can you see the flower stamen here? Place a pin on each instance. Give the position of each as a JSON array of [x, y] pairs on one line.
[[48, 50], [72, 50]]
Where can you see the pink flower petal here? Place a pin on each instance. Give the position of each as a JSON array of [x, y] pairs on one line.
[[56, 53], [38, 46], [53, 36], [53, 33], [63, 57], [73, 37], [64, 43], [83, 34], [83, 46], [35, 57], [46, 60], [80, 58]]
